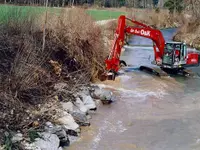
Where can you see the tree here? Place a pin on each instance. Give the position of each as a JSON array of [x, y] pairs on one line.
[[194, 7], [130, 3], [107, 3], [155, 2], [174, 5], [122, 3]]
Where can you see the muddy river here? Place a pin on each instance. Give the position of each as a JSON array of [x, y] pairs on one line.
[[149, 113]]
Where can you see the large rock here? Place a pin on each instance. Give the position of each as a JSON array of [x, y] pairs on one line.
[[49, 125], [68, 122], [81, 105], [73, 132], [17, 138], [30, 146], [85, 90], [89, 102], [80, 118], [67, 106], [60, 132], [106, 95], [102, 94], [96, 92], [47, 142]]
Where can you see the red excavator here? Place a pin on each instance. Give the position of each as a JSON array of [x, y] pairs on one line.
[[170, 56]]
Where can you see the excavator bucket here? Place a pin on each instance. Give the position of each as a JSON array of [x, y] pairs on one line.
[[103, 77], [107, 76]]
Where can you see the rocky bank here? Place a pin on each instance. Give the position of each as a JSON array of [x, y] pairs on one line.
[[69, 117]]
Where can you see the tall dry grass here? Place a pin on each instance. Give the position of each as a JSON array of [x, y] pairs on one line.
[[21, 71], [79, 37], [158, 19], [189, 31]]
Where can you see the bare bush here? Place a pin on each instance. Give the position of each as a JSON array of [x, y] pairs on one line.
[[21, 72], [108, 31], [189, 32], [193, 6], [79, 38], [190, 27]]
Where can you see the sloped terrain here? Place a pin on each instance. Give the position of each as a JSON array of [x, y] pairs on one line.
[[38, 51]]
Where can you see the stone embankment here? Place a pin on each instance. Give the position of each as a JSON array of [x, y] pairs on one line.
[[69, 117]]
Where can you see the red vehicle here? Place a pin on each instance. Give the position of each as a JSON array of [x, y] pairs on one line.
[[170, 56]]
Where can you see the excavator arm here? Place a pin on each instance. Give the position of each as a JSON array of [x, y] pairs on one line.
[[113, 61]]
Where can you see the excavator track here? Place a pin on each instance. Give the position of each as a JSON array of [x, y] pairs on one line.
[[188, 73], [154, 71]]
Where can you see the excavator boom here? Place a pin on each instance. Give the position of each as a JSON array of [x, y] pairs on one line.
[[113, 61]]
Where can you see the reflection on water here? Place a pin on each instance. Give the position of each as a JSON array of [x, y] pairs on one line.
[[150, 113]]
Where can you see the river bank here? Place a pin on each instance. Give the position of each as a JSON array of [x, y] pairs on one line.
[[45, 61], [68, 115]]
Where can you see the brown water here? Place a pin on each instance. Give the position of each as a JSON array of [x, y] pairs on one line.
[[149, 113]]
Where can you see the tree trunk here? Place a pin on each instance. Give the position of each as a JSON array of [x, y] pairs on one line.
[[174, 7], [44, 30], [63, 3]]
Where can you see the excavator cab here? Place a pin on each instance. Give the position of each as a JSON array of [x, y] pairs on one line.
[[175, 55]]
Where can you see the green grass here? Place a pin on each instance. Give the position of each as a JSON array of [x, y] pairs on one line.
[[21, 11], [24, 11], [104, 14], [36, 9]]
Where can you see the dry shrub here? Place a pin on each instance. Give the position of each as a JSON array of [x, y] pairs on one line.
[[161, 19], [27, 74], [108, 28], [75, 33], [22, 76], [189, 32]]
